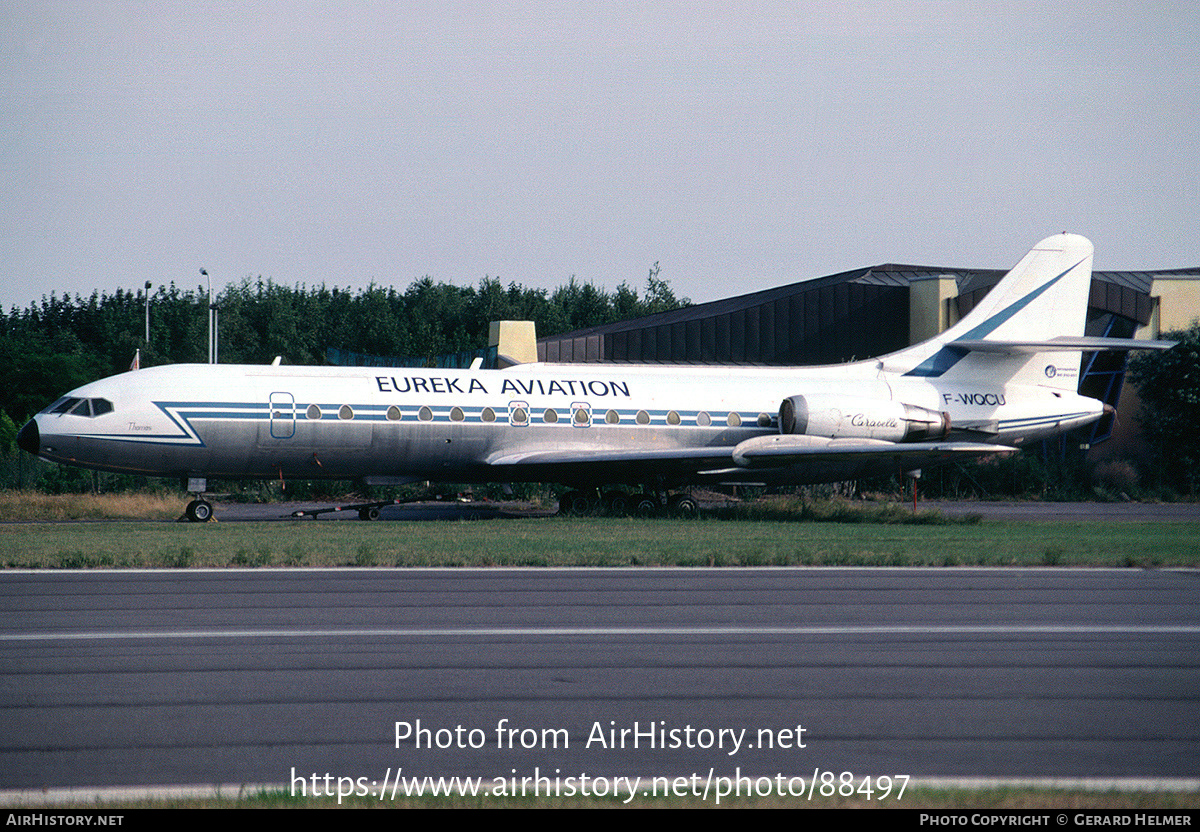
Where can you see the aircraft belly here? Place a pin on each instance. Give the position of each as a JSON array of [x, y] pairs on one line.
[[332, 449], [324, 434], [431, 450], [312, 449]]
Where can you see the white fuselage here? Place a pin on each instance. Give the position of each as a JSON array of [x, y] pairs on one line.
[[322, 422]]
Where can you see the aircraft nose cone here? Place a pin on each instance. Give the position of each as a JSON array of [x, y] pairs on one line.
[[29, 439]]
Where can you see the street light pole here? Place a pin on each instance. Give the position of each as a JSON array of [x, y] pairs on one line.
[[147, 313], [210, 316]]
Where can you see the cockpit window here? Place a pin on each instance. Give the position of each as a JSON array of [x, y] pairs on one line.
[[80, 407]]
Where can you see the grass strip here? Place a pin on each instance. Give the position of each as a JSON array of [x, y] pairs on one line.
[[609, 542]]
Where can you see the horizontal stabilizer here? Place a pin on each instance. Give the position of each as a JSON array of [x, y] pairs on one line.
[[1063, 343]]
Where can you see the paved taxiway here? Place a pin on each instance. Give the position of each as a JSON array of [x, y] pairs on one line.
[[1082, 512], [228, 676]]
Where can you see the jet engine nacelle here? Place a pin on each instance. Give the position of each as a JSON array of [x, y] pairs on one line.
[[861, 418]]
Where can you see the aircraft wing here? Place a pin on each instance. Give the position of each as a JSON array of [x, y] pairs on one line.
[[789, 449], [617, 464], [719, 453], [763, 452]]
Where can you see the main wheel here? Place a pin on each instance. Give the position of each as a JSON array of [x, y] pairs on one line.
[[645, 505], [584, 503], [682, 505], [198, 511], [616, 503], [370, 513], [576, 503]]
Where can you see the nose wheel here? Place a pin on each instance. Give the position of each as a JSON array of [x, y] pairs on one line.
[[199, 511]]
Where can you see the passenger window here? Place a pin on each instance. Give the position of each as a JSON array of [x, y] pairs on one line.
[[643, 418], [313, 412], [488, 415], [733, 420], [393, 413], [550, 416], [518, 414], [703, 419], [456, 414], [345, 412], [673, 418], [425, 414], [581, 415], [612, 417]]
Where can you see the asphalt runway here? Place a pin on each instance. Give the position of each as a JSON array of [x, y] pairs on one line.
[[120, 678]]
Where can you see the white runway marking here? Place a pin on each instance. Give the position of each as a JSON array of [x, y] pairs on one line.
[[475, 632]]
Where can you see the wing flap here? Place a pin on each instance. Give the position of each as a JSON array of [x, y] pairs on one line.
[[774, 451]]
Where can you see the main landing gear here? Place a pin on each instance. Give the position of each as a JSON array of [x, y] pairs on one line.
[[617, 503]]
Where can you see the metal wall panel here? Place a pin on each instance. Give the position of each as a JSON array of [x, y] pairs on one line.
[[708, 340]]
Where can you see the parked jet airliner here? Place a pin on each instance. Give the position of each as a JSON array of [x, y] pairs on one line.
[[1004, 375]]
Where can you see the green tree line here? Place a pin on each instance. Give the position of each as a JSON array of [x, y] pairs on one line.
[[61, 342], [1169, 386]]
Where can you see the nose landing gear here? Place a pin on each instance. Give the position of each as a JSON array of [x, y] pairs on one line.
[[198, 511]]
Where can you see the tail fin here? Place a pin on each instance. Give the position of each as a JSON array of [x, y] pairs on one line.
[[1044, 297]]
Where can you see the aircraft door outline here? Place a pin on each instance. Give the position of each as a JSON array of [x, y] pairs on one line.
[[283, 415]]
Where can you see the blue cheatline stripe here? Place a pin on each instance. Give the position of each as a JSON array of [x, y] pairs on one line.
[[182, 414], [1037, 421], [947, 357]]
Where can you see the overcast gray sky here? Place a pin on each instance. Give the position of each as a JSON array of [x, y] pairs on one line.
[[740, 145]]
